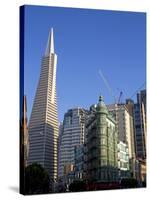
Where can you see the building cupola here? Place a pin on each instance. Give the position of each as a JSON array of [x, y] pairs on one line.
[[101, 107]]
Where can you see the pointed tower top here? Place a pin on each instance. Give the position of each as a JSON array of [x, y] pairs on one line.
[[50, 43], [101, 107], [101, 101], [101, 98]]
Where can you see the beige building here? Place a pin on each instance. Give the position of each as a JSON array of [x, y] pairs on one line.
[[142, 170], [68, 168], [125, 129]]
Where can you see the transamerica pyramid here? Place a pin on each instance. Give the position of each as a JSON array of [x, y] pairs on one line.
[[43, 124]]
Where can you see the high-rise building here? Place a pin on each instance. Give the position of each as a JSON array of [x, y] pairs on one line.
[[43, 124], [140, 125], [130, 108], [73, 133], [59, 143], [125, 129], [101, 146]]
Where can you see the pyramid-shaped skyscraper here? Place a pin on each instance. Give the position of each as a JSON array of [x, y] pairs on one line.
[[43, 124]]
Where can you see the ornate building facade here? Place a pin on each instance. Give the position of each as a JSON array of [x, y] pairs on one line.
[[101, 144]]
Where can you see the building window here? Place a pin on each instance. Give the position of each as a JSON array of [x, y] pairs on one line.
[[103, 142]]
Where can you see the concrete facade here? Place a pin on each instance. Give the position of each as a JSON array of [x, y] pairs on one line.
[[125, 130], [123, 160]]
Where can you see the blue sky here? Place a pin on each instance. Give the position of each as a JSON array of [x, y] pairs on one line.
[[86, 41]]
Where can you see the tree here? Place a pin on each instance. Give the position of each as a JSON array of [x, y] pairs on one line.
[[36, 179]]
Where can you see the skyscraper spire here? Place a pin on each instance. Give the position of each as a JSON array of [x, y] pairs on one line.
[[50, 44], [43, 124]]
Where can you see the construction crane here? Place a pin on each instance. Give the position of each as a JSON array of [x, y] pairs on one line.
[[116, 100], [138, 89], [119, 99]]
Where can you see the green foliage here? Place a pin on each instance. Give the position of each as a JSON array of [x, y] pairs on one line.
[[77, 186], [36, 179]]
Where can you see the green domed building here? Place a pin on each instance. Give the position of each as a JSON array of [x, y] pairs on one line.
[[101, 145]]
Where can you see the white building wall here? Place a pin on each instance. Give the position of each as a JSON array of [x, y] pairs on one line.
[[122, 117]]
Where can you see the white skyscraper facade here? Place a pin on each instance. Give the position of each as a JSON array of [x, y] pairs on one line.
[[43, 124]]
